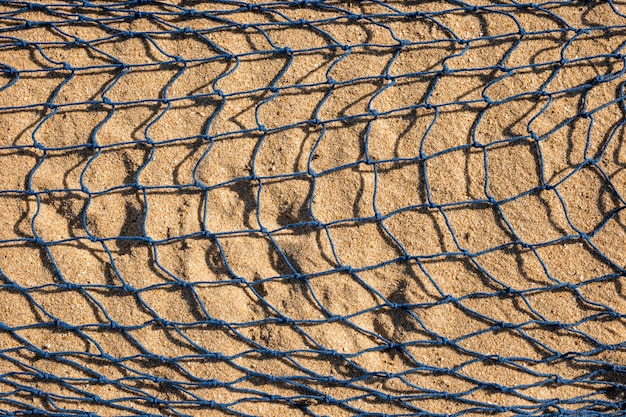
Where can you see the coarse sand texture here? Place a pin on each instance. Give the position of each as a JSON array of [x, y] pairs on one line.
[[312, 208]]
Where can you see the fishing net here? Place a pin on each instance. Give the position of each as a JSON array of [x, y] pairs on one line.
[[312, 208]]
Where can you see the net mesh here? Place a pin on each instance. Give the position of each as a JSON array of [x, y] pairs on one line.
[[312, 208]]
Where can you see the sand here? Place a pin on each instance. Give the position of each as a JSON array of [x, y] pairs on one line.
[[249, 220]]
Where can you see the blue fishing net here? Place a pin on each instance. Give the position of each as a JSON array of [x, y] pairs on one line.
[[359, 208]]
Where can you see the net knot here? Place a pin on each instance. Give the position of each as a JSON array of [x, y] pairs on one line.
[[37, 393], [70, 286], [185, 285], [127, 288], [336, 318], [57, 323], [115, 325], [314, 122], [348, 269], [510, 291], [333, 353], [160, 321], [331, 400], [46, 376], [503, 388], [444, 371], [155, 401], [209, 383], [502, 68], [447, 299], [614, 314], [214, 356], [494, 358], [383, 396], [555, 324]]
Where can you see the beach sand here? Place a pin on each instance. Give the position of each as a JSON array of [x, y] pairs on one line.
[[251, 219]]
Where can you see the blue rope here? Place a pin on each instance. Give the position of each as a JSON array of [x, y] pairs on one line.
[[25, 382]]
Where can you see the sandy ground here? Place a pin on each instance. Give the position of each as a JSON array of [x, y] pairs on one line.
[[251, 219]]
